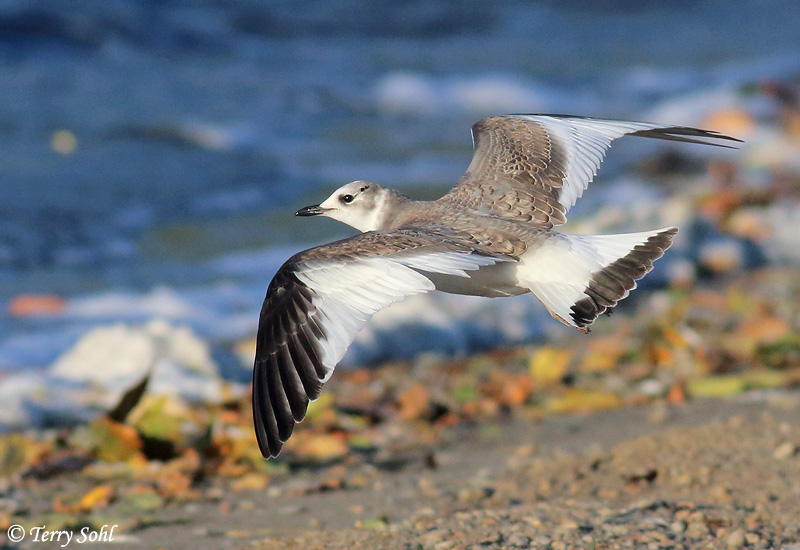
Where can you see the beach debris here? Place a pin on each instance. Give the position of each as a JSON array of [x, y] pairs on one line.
[[109, 358], [30, 305]]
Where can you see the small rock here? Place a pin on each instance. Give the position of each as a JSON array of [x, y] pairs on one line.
[[492, 538], [677, 527], [784, 451], [433, 537], [735, 539], [568, 525], [752, 538], [445, 545], [697, 530], [518, 540]]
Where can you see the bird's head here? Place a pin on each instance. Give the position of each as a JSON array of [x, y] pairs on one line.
[[359, 204]]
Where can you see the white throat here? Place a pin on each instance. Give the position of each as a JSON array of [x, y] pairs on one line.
[[374, 218]]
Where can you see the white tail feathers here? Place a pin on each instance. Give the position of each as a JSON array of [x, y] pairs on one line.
[[578, 277]]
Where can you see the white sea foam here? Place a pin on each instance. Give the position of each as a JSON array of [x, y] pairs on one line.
[[420, 94], [160, 302]]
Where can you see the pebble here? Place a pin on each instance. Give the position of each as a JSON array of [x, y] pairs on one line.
[[518, 540], [784, 451], [677, 527], [445, 545], [735, 539], [434, 537], [752, 538], [568, 525], [697, 530]]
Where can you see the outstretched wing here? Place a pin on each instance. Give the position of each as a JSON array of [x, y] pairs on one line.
[[534, 167], [321, 298]]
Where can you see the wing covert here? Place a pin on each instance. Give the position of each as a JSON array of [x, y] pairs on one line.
[[534, 167]]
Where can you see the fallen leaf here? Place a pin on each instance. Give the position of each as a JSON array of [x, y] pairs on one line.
[[97, 497], [71, 504], [413, 402], [250, 482], [549, 364], [112, 441], [465, 392], [578, 400], [13, 454], [319, 407], [147, 501], [782, 354], [603, 355], [716, 386], [373, 523], [318, 447], [157, 419], [757, 379], [175, 485], [508, 388], [676, 395]]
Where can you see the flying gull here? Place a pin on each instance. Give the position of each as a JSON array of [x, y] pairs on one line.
[[491, 235]]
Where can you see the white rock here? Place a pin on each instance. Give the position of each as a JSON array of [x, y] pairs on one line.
[[109, 359]]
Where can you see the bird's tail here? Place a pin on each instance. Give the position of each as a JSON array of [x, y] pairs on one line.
[[578, 277]]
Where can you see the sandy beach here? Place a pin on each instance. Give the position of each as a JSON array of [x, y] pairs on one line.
[[716, 474]]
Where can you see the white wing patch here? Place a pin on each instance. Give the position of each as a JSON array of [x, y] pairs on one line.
[[585, 142], [347, 294]]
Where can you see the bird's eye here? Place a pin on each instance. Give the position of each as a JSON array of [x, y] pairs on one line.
[[347, 199]]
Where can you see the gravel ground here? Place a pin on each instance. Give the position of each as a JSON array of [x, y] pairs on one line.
[[714, 474]]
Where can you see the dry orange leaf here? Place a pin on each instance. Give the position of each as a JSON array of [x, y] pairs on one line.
[[676, 395], [250, 482], [413, 402], [675, 339], [175, 485], [321, 447], [764, 330], [577, 400]]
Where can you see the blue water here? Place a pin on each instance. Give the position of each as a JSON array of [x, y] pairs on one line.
[[201, 127]]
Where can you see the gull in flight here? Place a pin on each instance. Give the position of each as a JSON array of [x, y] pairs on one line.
[[491, 235]]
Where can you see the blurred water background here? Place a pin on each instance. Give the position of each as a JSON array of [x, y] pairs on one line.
[[152, 153]]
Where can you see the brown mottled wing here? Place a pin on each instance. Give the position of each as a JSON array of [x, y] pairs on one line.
[[321, 298], [534, 167]]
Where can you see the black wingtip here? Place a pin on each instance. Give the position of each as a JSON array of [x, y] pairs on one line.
[[264, 421], [679, 133]]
